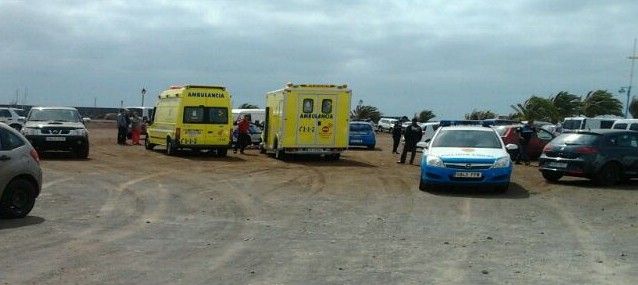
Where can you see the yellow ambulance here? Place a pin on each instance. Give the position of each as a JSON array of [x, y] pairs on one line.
[[194, 117], [307, 119]]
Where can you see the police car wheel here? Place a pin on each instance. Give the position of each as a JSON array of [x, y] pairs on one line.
[[222, 152], [502, 188], [422, 186], [82, 151]]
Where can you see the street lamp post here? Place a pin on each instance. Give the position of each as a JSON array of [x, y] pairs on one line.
[[633, 58], [143, 93]]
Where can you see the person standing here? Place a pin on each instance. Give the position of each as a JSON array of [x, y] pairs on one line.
[[526, 132], [412, 134], [396, 136], [122, 127], [136, 128], [243, 136]]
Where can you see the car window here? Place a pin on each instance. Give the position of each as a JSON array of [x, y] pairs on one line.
[[634, 141], [634, 127], [620, 126], [611, 140], [5, 113], [467, 138], [572, 124], [9, 140], [544, 135], [625, 140], [606, 124], [61, 115], [360, 128]]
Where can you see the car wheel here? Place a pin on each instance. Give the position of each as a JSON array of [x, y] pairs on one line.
[[422, 185], [148, 145], [222, 152], [371, 146], [83, 151], [170, 147], [610, 174], [18, 199], [552, 176]]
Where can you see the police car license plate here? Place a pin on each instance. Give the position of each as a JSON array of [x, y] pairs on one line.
[[357, 141], [467, 175], [557, 164], [55, 139]]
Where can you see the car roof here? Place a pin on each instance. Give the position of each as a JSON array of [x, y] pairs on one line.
[[600, 131], [53, 108], [469, 128]]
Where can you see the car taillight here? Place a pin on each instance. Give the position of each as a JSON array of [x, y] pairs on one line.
[[34, 155], [587, 150]]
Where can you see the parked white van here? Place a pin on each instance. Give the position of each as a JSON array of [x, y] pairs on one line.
[[626, 124], [386, 124], [585, 123]]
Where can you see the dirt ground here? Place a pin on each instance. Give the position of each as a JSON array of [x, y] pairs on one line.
[[132, 216]]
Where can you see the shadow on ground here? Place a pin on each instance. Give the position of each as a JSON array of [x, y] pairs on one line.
[[589, 184], [314, 160], [515, 191], [18, 223]]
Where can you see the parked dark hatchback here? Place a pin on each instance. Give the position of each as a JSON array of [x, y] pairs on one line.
[[606, 156]]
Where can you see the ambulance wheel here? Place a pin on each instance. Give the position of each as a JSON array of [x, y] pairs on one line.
[[335, 156], [148, 145], [262, 149], [280, 154], [170, 147], [222, 152]]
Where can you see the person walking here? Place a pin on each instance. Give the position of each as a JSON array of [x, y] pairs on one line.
[[122, 127], [396, 136], [136, 128], [412, 135], [243, 136], [526, 133]]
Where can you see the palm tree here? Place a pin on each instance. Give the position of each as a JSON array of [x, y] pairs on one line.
[[425, 116], [365, 112], [567, 105], [536, 108], [248, 106], [601, 102], [480, 115], [633, 108]]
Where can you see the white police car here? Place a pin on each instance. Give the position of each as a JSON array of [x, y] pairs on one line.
[[466, 156]]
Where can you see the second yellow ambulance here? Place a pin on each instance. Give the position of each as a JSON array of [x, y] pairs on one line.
[[307, 119]]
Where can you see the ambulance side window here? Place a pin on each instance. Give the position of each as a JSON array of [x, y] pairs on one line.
[[308, 105], [326, 106]]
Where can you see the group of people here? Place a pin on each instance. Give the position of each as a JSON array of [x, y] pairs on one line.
[[412, 135], [128, 122]]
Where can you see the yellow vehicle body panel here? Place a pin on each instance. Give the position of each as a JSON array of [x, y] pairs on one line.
[[308, 119], [196, 117]]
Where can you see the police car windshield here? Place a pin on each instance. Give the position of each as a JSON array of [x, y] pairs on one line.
[[467, 138], [58, 115], [360, 128]]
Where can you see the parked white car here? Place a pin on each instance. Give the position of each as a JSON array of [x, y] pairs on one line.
[[12, 117], [386, 124]]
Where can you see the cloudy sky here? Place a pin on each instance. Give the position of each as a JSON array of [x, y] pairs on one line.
[[402, 56]]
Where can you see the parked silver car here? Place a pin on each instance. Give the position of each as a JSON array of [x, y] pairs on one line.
[[20, 174]]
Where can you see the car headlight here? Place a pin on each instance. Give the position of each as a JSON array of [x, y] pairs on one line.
[[502, 162], [30, 131], [434, 161], [78, 132]]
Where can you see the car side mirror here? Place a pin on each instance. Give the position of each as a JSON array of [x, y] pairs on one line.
[[86, 120], [511, 146]]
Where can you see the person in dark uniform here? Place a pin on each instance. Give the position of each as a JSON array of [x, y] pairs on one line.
[[412, 134], [396, 136], [526, 133]]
